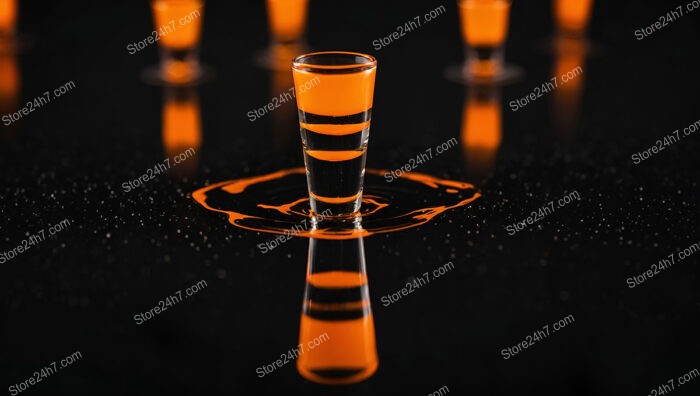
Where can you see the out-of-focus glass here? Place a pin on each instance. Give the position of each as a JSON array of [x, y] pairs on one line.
[[572, 16], [484, 32], [178, 26]]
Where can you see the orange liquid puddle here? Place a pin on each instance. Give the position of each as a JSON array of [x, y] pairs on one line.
[[180, 22], [287, 19], [249, 204], [484, 22]]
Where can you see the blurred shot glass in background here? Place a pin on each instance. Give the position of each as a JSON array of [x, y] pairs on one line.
[[572, 17], [334, 93], [286, 20], [484, 27], [177, 29], [8, 24]]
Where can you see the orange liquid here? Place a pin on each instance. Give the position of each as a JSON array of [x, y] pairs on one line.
[[349, 354], [177, 33], [572, 16], [287, 19], [335, 95], [484, 22], [481, 132], [8, 17]]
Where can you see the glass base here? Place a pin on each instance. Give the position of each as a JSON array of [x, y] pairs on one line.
[[153, 75], [507, 75]]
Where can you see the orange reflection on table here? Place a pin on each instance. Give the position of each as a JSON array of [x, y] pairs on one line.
[[287, 19], [182, 126], [481, 129], [572, 16], [570, 53]]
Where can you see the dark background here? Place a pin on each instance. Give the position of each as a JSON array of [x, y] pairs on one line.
[[79, 290]]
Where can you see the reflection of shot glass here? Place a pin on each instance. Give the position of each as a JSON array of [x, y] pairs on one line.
[[484, 31], [182, 125], [481, 130], [336, 336], [334, 92], [178, 26], [287, 23], [572, 16]]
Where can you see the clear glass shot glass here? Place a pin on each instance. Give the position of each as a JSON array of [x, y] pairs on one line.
[[484, 27], [177, 30], [334, 94]]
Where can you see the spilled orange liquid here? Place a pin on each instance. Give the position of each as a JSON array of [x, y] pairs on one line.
[[349, 354], [177, 35], [572, 16], [481, 131], [8, 18], [287, 19], [372, 205], [484, 22], [182, 125]]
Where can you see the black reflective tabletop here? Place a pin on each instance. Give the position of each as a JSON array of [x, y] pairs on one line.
[[574, 273]]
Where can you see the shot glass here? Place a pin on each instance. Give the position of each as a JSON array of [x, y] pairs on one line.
[[287, 25], [334, 93], [484, 32], [572, 17], [178, 27]]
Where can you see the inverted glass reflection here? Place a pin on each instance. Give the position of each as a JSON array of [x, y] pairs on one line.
[[481, 130], [337, 305], [182, 126]]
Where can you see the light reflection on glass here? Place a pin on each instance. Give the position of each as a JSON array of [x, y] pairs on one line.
[[570, 53]]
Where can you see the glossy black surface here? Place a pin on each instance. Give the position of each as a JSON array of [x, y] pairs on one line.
[[80, 289]]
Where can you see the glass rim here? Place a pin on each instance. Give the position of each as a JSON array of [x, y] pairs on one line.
[[299, 63]]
